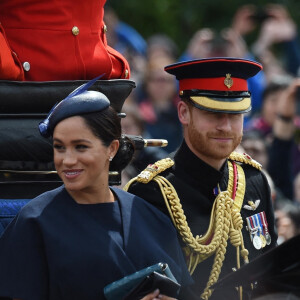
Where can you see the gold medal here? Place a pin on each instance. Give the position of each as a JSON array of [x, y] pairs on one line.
[[263, 241]]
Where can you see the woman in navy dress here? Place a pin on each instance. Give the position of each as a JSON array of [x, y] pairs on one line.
[[70, 242]]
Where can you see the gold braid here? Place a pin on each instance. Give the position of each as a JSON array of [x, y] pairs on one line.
[[196, 244], [225, 221], [219, 227], [221, 250]]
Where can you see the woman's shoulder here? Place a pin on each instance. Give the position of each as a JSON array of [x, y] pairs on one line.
[[38, 204], [131, 199], [30, 216], [143, 208]]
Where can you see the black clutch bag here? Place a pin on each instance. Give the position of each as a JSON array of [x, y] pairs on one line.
[[152, 282], [143, 282]]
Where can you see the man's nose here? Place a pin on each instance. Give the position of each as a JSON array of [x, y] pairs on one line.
[[224, 122]]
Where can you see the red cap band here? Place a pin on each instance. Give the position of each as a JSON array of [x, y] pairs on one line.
[[213, 84]]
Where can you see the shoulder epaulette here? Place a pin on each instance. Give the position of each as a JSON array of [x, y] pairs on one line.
[[154, 169], [245, 158]]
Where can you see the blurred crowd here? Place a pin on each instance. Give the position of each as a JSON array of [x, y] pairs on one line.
[[271, 130]]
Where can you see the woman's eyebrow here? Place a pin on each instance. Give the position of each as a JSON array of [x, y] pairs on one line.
[[73, 141]]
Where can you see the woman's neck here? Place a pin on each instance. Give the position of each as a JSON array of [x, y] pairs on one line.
[[101, 195]]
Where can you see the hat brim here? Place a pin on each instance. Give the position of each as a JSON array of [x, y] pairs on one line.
[[228, 105]]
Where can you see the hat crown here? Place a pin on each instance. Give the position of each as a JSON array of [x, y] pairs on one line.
[[80, 101], [215, 67], [216, 84]]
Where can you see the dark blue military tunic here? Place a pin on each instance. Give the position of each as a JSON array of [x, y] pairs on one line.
[[194, 182], [57, 249]]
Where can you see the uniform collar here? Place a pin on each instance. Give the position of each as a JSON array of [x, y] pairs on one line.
[[195, 169]]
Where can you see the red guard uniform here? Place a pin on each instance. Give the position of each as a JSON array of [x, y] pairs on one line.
[[44, 40]]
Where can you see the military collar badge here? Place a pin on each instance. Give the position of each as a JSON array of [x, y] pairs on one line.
[[252, 205]]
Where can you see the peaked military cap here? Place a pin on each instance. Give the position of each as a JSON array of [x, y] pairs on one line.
[[216, 84], [276, 271]]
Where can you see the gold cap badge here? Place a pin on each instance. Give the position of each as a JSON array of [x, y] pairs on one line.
[[228, 81]]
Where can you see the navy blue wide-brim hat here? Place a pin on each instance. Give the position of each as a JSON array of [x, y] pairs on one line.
[[216, 84], [80, 101]]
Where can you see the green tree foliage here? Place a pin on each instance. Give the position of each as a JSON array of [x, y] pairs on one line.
[[180, 19]]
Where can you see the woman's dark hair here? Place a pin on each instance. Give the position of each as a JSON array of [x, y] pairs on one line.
[[106, 125]]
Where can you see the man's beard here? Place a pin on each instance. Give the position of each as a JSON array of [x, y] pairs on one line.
[[205, 146]]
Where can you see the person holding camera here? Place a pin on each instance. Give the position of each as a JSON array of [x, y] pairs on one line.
[[275, 26]]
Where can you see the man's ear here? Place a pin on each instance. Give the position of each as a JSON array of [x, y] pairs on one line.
[[184, 113]]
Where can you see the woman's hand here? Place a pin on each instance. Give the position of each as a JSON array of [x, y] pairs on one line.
[[157, 296]]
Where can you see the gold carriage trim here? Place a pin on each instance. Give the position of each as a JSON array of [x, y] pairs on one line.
[[245, 158], [209, 103]]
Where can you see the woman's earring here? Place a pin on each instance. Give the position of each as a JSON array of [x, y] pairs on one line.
[[111, 158]]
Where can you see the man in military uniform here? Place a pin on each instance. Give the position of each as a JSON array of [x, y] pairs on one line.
[[218, 200]]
